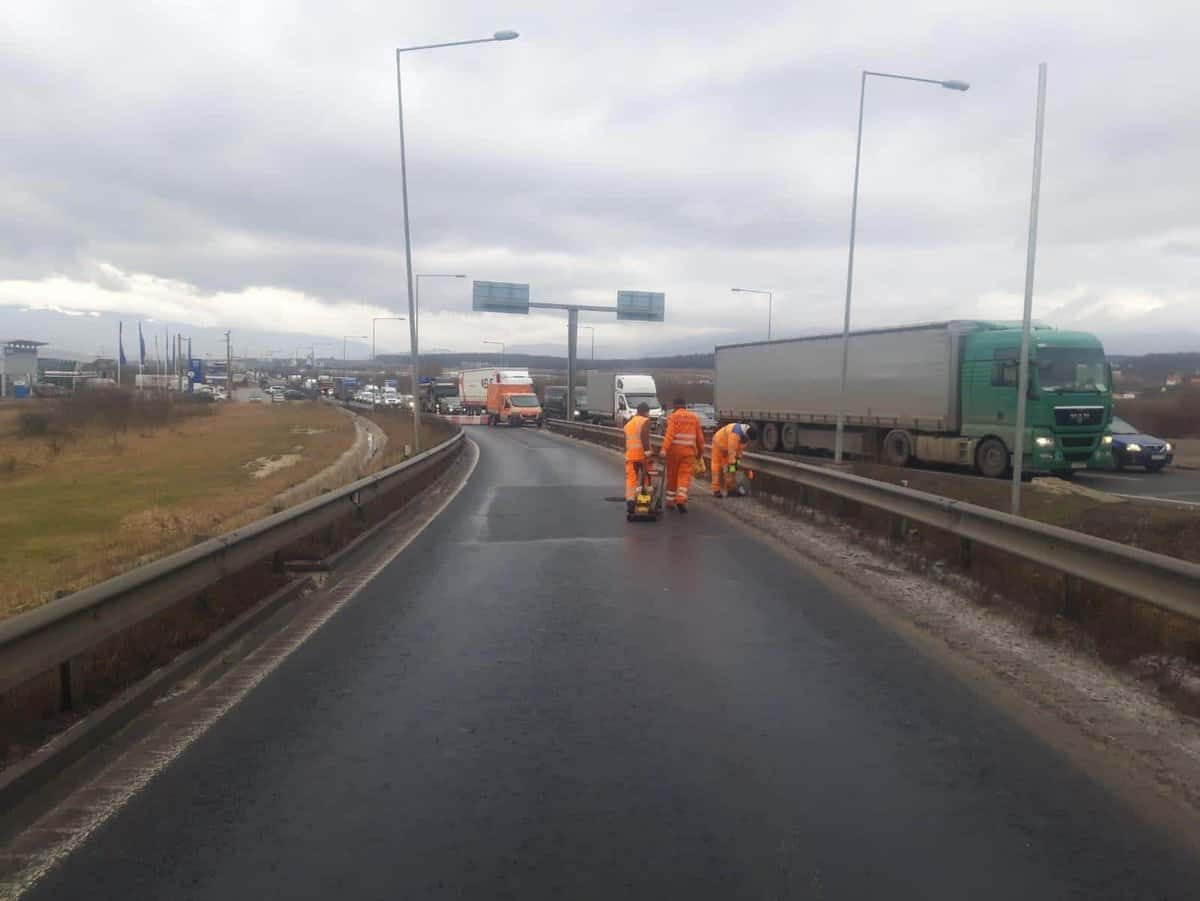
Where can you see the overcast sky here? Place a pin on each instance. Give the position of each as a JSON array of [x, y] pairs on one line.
[[237, 165]]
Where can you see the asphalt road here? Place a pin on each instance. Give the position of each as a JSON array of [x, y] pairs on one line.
[[1172, 483], [1169, 484], [537, 699]]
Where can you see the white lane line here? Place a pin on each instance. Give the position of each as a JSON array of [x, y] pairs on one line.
[[1162, 500], [136, 770]]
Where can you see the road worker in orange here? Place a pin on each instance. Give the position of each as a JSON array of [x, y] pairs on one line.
[[682, 446], [728, 445], [638, 451]]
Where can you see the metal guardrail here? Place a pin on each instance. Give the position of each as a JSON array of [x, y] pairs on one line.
[[45, 637], [1166, 582]]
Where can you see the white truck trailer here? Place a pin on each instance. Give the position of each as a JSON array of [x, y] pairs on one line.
[[613, 397]]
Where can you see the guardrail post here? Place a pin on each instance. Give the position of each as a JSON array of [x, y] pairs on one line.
[[70, 685], [1072, 607]]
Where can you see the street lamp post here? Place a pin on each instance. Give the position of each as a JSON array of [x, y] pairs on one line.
[[381, 319], [412, 300], [770, 303], [501, 343], [1030, 260], [593, 331], [346, 338], [949, 84]]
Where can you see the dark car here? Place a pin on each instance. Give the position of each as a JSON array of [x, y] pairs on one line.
[[1133, 448], [294, 394], [554, 401]]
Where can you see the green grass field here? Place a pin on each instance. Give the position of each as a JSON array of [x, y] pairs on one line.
[[77, 510]]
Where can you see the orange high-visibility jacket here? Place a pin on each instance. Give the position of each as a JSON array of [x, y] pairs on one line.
[[634, 451], [728, 444], [684, 434]]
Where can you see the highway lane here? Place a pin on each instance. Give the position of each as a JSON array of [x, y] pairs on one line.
[[1171, 484], [537, 699]]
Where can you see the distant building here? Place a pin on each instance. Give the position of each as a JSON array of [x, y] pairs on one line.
[[18, 366], [1174, 380]]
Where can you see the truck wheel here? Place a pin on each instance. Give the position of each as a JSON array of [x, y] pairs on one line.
[[789, 437], [897, 448], [991, 458], [770, 436]]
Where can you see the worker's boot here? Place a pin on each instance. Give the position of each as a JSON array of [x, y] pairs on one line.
[[629, 508], [681, 507]]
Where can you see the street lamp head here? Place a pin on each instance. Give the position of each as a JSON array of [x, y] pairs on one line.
[[953, 85], [506, 35]]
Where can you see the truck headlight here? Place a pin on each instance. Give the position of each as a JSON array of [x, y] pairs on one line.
[[1043, 441], [1167, 447], [1133, 448], [1106, 440]]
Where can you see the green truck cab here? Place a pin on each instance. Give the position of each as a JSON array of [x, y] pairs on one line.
[[1068, 407]]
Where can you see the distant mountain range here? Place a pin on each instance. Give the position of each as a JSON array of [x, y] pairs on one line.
[[546, 361], [1158, 365]]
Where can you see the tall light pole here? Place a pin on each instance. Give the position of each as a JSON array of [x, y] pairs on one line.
[[949, 84], [381, 319], [501, 343], [1030, 259], [593, 331], [412, 300], [420, 275], [770, 303], [346, 338]]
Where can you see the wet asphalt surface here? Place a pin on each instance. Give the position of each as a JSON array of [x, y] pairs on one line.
[[539, 700]]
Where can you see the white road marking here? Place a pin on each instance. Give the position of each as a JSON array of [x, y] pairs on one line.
[[147, 762], [1173, 501]]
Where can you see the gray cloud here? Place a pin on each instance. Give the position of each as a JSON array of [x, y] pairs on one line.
[[613, 145]]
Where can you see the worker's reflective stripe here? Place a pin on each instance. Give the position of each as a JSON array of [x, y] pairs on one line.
[[632, 443], [689, 440]]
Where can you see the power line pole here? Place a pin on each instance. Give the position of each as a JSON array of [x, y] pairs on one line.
[[228, 367]]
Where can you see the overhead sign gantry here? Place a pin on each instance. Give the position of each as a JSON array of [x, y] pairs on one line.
[[513, 297]]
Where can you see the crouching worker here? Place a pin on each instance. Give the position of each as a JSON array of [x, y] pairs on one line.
[[728, 445]]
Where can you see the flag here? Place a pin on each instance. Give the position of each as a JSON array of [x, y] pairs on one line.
[[141, 346], [121, 361]]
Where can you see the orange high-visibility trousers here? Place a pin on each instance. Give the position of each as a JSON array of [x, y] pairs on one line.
[[720, 478], [679, 475], [634, 471]]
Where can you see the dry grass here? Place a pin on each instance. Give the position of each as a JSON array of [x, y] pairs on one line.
[[397, 425], [81, 506], [1187, 453], [1165, 530]]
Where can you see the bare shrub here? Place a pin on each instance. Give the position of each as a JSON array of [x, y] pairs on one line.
[[1175, 414], [34, 424]]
